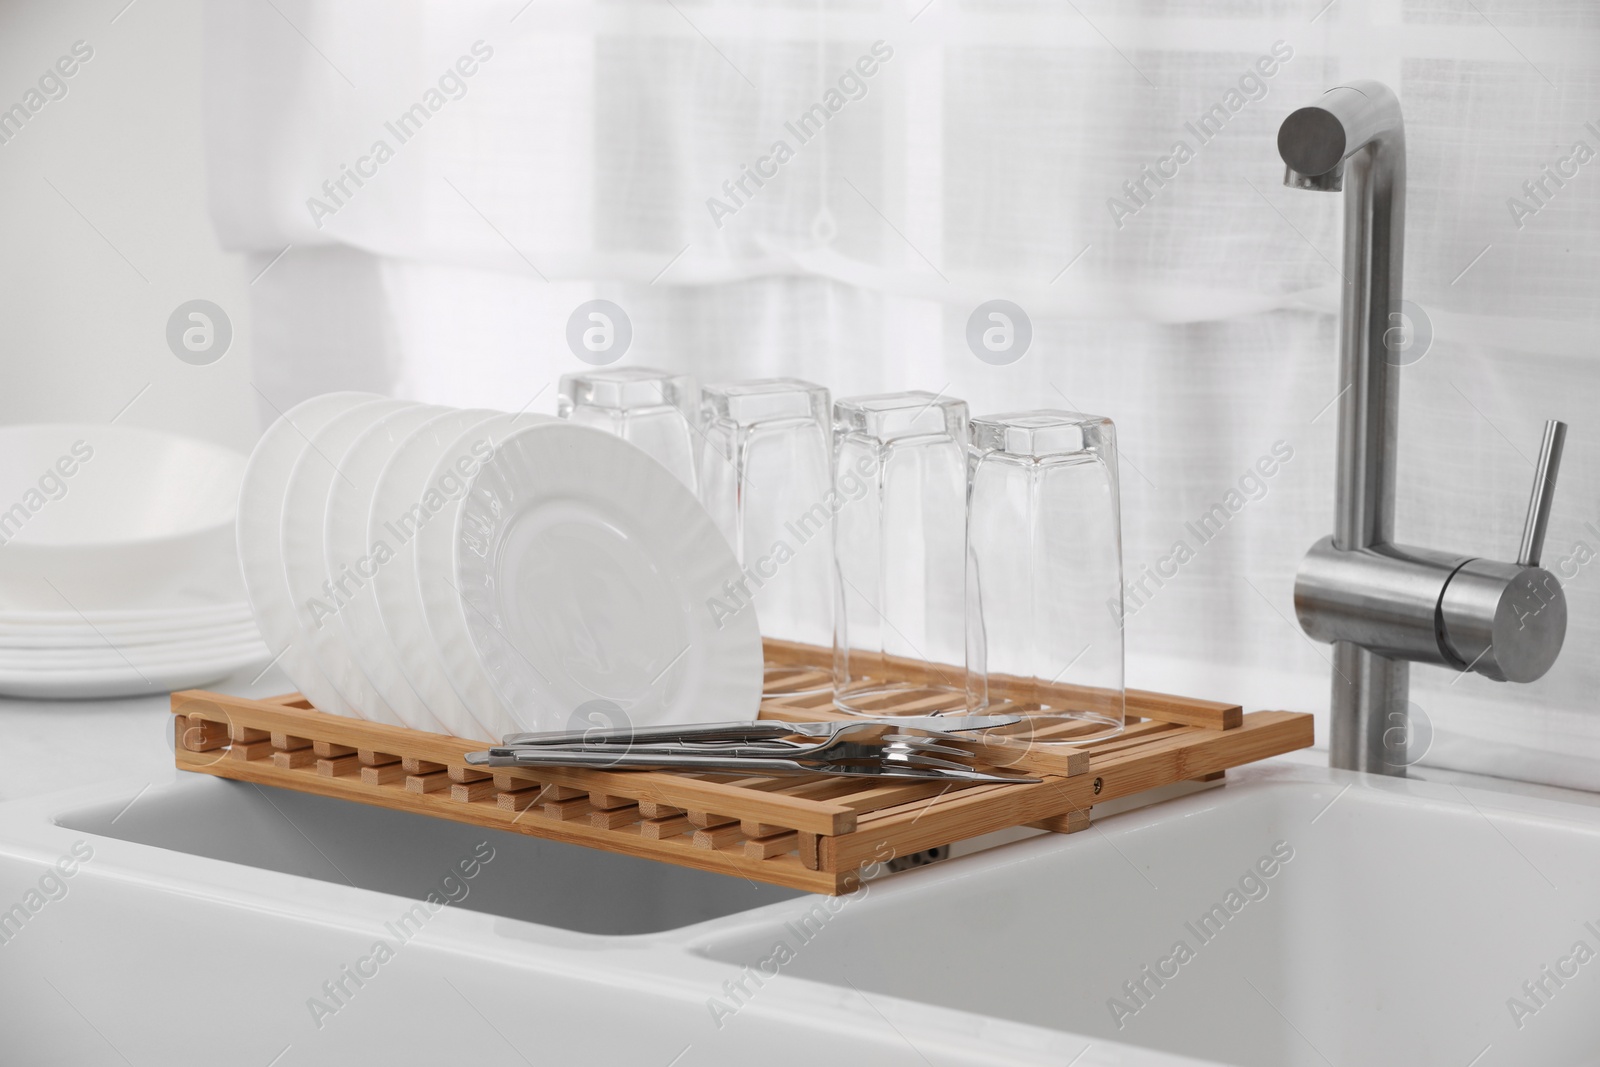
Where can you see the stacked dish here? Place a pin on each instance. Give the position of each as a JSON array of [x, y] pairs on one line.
[[117, 570], [101, 654], [476, 573]]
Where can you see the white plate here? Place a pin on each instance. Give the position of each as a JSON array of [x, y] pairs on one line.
[[199, 609], [266, 477], [586, 570], [427, 480], [350, 561], [124, 680], [45, 644], [190, 647], [387, 529], [316, 601], [436, 582], [116, 656], [93, 628]]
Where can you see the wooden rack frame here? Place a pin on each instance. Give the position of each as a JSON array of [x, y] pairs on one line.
[[806, 833]]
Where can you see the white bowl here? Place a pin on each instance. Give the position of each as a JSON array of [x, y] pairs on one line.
[[103, 516]]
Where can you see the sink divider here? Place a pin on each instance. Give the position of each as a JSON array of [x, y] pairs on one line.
[[817, 834]]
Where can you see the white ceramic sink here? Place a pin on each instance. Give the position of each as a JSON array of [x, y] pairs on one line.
[[1370, 922], [1398, 921]]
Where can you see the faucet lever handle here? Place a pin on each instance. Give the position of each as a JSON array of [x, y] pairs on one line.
[[1544, 493]]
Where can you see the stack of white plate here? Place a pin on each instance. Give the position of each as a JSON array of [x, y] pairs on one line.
[[96, 654], [118, 575], [475, 573]]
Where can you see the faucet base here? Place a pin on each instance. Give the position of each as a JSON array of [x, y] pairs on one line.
[[1371, 721]]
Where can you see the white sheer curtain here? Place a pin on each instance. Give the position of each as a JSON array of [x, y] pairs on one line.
[[979, 159]]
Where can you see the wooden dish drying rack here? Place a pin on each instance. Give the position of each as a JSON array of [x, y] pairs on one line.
[[813, 834]]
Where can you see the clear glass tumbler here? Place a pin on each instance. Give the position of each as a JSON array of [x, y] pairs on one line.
[[1044, 556], [653, 410], [766, 477], [899, 551]]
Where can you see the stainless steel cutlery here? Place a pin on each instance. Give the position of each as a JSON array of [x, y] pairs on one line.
[[765, 747], [746, 730], [880, 764]]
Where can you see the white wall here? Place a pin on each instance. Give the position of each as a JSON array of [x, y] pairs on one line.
[[81, 332]]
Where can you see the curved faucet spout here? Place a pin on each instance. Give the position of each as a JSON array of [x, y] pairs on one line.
[[1316, 140], [1353, 138]]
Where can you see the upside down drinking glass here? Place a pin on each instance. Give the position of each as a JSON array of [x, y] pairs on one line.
[[899, 641], [650, 409], [766, 478], [1045, 574]]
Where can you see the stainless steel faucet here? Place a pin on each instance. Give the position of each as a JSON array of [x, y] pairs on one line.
[[1382, 605]]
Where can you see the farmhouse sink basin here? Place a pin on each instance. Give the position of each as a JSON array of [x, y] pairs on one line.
[[546, 882], [1323, 918], [1297, 917]]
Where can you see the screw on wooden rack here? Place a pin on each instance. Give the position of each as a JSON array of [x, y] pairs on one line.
[[1099, 784]]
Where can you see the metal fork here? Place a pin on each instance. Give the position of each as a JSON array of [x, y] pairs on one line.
[[758, 730], [874, 763], [774, 749]]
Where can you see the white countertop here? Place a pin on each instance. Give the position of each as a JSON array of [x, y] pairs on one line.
[[98, 739]]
